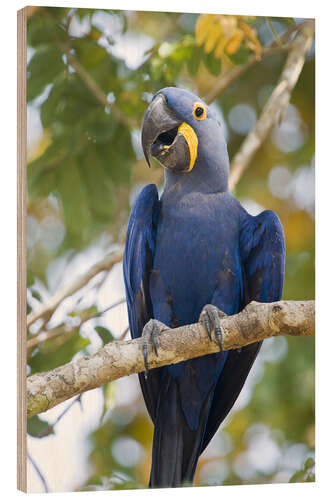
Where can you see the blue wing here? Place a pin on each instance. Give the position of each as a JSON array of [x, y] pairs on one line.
[[137, 266], [262, 252]]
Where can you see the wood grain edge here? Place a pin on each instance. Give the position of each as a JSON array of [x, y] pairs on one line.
[[21, 247]]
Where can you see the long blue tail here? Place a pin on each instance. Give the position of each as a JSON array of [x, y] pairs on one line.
[[176, 448]]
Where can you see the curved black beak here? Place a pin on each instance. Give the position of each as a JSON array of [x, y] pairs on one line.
[[158, 119]]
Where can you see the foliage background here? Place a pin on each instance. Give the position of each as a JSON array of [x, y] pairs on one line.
[[91, 74]]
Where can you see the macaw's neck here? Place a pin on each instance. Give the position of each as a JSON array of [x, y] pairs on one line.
[[209, 175]]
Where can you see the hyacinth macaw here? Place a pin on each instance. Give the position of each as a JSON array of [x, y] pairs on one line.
[[193, 254]]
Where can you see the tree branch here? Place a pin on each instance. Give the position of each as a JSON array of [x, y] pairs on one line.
[[273, 30], [49, 307], [121, 358], [275, 105]]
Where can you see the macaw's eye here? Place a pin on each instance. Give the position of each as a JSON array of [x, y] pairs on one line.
[[199, 111]]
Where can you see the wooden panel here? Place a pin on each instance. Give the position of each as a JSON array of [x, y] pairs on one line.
[[21, 247]]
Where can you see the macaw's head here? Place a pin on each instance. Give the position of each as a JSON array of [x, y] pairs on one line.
[[183, 134]]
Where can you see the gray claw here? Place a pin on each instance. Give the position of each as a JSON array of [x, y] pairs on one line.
[[150, 335], [210, 317], [204, 318]]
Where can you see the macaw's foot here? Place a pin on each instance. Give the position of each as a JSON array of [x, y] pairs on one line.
[[150, 335], [210, 317]]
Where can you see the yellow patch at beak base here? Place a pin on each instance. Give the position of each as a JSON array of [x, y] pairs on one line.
[[192, 142]]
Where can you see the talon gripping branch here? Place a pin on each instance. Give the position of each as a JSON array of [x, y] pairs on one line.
[[194, 253]]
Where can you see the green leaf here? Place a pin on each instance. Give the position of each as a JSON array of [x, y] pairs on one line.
[[104, 334], [109, 392], [43, 28], [304, 475], [100, 126], [82, 12], [297, 477], [86, 314], [241, 56], [98, 188], [44, 66], [193, 62], [171, 69], [89, 53], [213, 64], [74, 197], [42, 171], [70, 102], [35, 294], [37, 427], [56, 352], [181, 53], [288, 20], [114, 162], [309, 463]]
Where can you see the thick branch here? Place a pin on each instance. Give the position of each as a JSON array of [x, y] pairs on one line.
[[275, 105], [49, 307], [120, 358]]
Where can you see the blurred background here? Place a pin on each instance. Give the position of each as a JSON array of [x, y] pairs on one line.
[[91, 74]]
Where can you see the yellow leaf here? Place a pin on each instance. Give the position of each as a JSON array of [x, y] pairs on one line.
[[213, 36], [234, 44], [220, 47], [204, 22], [225, 34]]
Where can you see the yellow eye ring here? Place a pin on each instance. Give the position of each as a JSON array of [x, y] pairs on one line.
[[199, 111]]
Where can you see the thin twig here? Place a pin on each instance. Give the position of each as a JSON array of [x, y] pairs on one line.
[[66, 329], [66, 410], [121, 358], [123, 335], [40, 475], [273, 30], [50, 334], [49, 307], [112, 306], [275, 105], [50, 427]]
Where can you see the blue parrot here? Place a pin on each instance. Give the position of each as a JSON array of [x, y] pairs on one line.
[[194, 254]]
